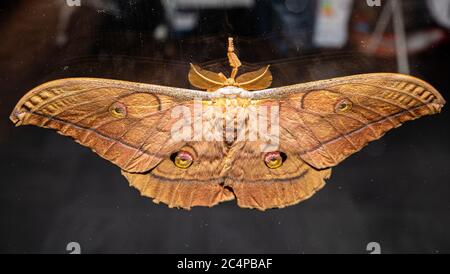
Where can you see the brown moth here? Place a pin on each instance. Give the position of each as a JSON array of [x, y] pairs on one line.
[[319, 125]]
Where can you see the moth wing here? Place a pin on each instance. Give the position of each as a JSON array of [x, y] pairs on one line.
[[257, 186], [320, 124], [199, 185], [327, 121], [126, 123]]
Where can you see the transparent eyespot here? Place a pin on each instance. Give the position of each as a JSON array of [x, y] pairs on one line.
[[182, 159], [118, 110], [275, 159], [344, 105]]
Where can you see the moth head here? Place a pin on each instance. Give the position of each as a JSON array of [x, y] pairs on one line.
[[274, 159], [344, 105], [118, 110], [230, 82], [182, 159], [211, 81]]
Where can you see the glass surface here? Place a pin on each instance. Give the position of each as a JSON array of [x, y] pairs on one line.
[[54, 191]]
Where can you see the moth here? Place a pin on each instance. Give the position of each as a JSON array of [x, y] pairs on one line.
[[319, 124]]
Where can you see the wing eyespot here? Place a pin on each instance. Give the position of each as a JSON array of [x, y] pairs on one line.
[[118, 110], [344, 105], [274, 160], [182, 159]]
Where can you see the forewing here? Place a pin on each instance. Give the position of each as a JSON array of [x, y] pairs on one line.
[[126, 123], [326, 132]]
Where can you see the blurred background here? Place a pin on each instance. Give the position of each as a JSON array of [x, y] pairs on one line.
[[54, 191]]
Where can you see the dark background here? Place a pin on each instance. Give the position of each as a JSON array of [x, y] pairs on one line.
[[54, 191]]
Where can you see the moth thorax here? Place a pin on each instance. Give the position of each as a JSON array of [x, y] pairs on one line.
[[229, 105], [230, 90]]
